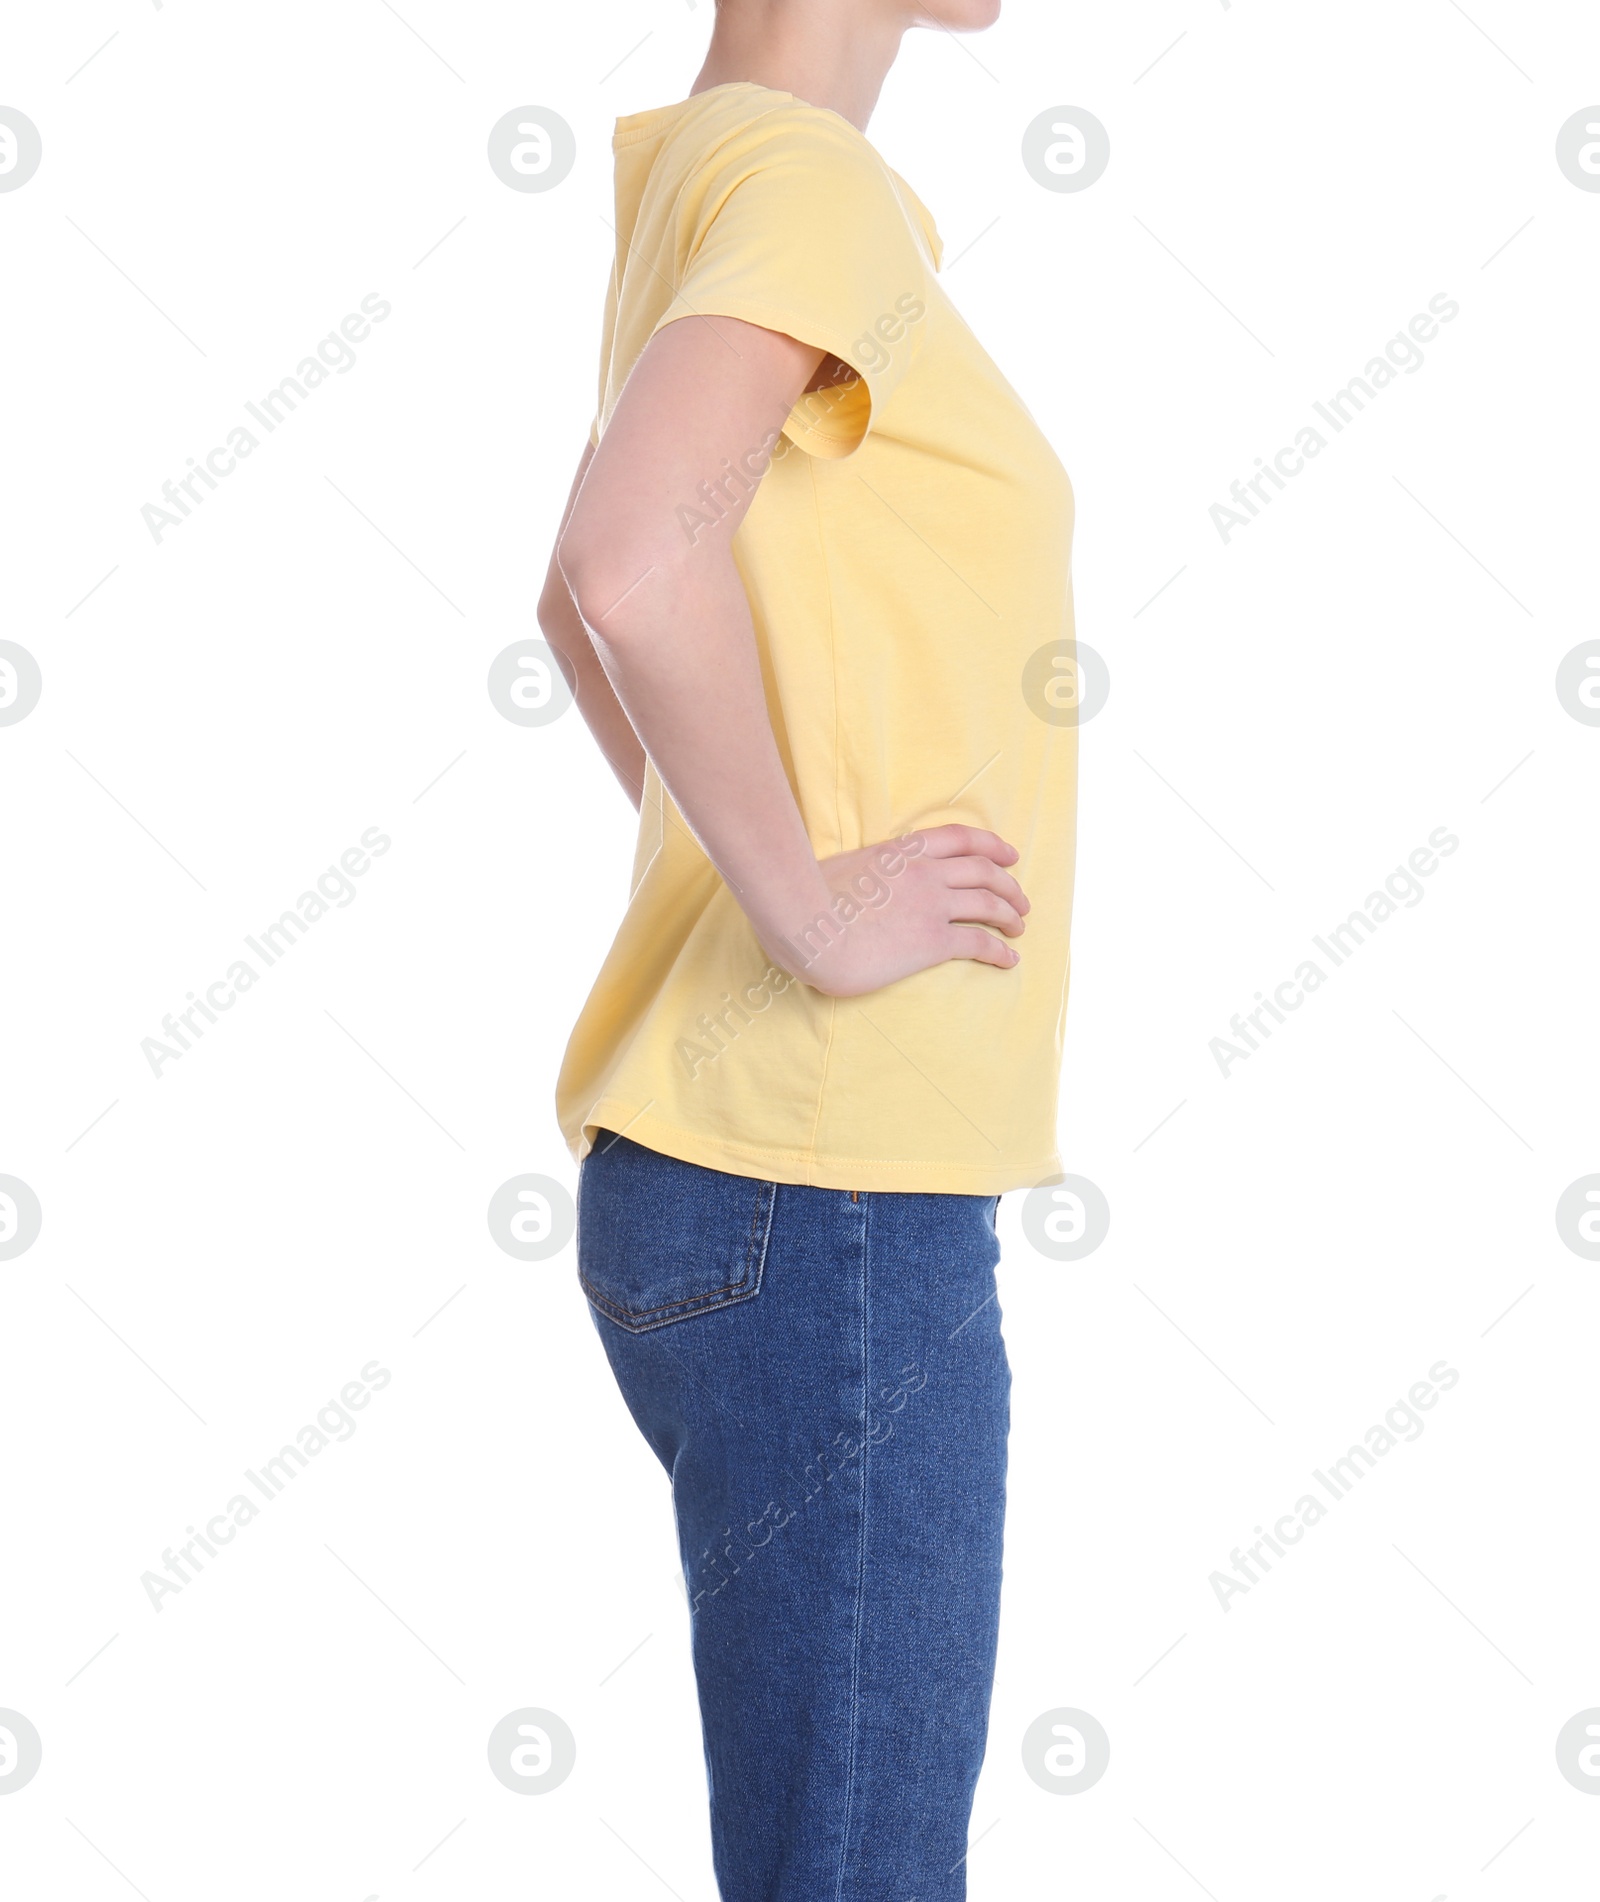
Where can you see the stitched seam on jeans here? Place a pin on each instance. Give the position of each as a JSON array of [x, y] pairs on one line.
[[750, 1239], [861, 1565], [770, 1189], [689, 1301]]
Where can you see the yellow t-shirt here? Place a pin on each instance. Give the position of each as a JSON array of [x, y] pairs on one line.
[[906, 558]]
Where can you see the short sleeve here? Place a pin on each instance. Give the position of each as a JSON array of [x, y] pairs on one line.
[[799, 226]]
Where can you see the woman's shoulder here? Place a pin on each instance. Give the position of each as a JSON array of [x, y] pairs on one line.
[[741, 130], [746, 123]]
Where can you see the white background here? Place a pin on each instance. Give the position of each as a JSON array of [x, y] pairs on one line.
[[225, 712]]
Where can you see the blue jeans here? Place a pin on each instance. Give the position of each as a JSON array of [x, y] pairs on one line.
[[821, 1373]]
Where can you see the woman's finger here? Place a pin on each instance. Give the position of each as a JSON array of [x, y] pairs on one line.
[[958, 841], [981, 907], [963, 873], [983, 947]]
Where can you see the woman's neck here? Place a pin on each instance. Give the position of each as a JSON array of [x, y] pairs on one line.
[[832, 53]]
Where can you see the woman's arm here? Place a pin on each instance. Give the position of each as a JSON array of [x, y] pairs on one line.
[[562, 626], [656, 586]]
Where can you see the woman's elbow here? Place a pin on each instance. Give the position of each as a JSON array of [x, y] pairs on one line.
[[618, 581], [556, 611], [590, 566]]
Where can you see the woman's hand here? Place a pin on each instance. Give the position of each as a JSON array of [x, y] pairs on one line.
[[905, 905]]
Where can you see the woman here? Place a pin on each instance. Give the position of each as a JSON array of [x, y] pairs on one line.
[[812, 592]]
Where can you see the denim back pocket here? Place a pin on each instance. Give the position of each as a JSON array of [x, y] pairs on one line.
[[660, 1240]]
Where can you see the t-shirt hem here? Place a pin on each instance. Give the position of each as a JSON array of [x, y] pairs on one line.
[[809, 1168]]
